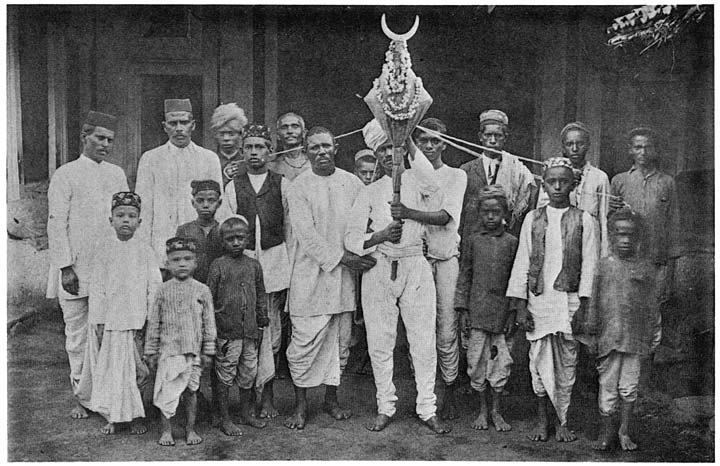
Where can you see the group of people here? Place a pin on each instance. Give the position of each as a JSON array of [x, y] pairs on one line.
[[216, 259]]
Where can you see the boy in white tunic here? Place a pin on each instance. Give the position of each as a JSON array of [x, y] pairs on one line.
[[551, 283], [77, 221], [124, 279]]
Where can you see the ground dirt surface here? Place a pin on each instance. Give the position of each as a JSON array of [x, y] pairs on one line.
[[40, 429]]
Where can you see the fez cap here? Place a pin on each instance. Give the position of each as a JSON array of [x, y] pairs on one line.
[[126, 198], [178, 105], [180, 244], [364, 153], [493, 116], [204, 185], [101, 119], [257, 131]]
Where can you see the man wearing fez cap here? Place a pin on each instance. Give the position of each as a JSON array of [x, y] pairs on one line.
[[495, 168], [165, 173], [78, 209]]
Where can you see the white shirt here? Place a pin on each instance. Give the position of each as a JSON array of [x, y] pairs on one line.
[[163, 183], [443, 240], [319, 212], [79, 201], [552, 310], [491, 168], [274, 261]]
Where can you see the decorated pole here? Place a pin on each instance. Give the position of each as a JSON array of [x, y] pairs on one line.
[[398, 101]]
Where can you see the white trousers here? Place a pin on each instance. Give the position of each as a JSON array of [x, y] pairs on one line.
[[414, 292], [75, 315], [445, 274]]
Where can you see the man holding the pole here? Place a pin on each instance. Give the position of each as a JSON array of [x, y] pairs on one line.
[[401, 281]]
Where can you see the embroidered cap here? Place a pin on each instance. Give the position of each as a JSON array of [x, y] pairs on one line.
[[180, 244], [178, 105], [364, 153], [554, 162], [204, 185], [126, 198], [578, 125], [257, 131], [102, 120]]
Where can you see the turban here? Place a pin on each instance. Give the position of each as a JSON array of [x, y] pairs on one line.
[[226, 113], [257, 131], [102, 120], [180, 244], [364, 153], [493, 116], [178, 105], [204, 185], [577, 125], [374, 135], [124, 198]]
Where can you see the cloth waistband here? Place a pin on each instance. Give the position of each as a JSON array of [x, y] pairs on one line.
[[396, 252]]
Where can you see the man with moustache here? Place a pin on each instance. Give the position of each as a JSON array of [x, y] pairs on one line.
[[291, 136]]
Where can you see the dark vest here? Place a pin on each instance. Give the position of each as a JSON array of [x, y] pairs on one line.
[[571, 228], [267, 204]]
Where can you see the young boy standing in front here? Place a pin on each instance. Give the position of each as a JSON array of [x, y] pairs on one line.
[[484, 272], [205, 229], [124, 278], [626, 315], [180, 338], [236, 283], [551, 283]]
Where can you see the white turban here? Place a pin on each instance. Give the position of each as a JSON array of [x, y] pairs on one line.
[[225, 113], [374, 135]]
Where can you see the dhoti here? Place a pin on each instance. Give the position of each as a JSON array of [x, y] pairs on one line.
[[553, 359], [175, 374], [414, 291], [319, 349]]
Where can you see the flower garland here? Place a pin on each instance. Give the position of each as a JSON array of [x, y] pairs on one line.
[[395, 80]]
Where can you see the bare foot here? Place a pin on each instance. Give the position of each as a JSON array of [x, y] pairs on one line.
[[480, 422], [607, 434], [78, 412], [268, 411], [381, 422], [251, 421], [297, 420], [539, 433], [563, 434], [626, 443], [450, 409], [192, 438], [436, 426], [108, 428], [500, 424], [228, 428], [338, 413], [138, 427], [166, 440]]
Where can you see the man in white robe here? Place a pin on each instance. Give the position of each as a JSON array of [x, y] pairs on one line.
[[322, 287], [78, 211], [164, 176]]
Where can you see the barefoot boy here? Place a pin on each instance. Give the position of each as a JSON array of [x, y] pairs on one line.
[[484, 272], [125, 276], [236, 283], [181, 333], [625, 313], [551, 282], [205, 230]]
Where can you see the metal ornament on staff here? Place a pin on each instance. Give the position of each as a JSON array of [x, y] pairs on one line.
[[398, 101]]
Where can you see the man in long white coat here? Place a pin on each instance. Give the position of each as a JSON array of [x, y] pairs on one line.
[[164, 176], [322, 286], [78, 212]]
